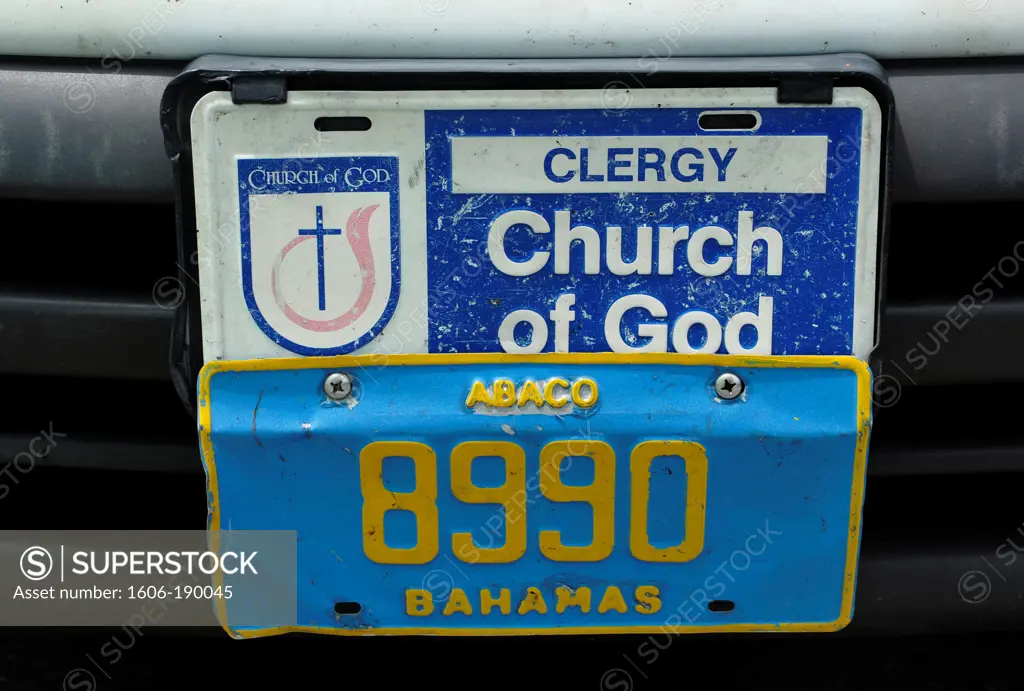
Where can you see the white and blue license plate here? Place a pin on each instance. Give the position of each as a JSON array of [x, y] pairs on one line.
[[480, 254]]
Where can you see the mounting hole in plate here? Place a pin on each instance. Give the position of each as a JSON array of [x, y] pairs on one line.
[[721, 606], [343, 608], [342, 124], [728, 120]]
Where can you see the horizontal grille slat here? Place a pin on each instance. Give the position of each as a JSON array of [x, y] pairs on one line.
[[92, 338], [960, 131]]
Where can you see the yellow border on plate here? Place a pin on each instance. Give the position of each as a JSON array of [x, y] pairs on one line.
[[846, 362]]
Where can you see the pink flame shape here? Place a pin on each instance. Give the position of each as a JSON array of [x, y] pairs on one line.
[[358, 237]]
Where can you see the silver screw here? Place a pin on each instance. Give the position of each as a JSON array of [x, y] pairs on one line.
[[728, 386], [338, 386]]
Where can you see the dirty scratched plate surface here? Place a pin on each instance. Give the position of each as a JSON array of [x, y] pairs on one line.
[[537, 221], [548, 494]]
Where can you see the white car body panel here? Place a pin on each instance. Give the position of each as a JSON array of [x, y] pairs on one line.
[[118, 31]]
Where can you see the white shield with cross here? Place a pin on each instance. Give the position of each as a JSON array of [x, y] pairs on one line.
[[322, 268]]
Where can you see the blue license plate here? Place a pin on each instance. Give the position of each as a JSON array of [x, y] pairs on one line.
[[550, 493]]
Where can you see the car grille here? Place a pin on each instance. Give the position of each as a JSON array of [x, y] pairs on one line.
[[85, 331]]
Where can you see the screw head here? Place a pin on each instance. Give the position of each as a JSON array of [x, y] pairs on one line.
[[338, 386], [728, 386]]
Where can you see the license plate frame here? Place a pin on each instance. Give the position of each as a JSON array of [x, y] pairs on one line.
[[806, 80], [399, 366]]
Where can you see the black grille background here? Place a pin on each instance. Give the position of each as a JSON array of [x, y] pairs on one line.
[[84, 348]]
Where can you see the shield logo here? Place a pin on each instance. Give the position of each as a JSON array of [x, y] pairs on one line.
[[320, 258]]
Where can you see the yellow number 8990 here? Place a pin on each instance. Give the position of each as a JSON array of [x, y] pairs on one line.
[[422, 501]]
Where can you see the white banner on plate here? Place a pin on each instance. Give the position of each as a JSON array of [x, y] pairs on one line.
[[552, 165]]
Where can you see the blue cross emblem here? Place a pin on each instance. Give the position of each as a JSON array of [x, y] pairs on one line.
[[320, 232]]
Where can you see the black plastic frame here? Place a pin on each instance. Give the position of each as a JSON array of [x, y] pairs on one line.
[[798, 79]]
